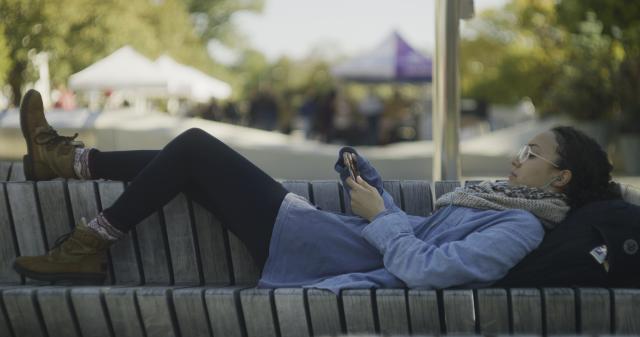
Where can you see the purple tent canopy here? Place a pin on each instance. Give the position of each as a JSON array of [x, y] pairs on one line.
[[393, 60]]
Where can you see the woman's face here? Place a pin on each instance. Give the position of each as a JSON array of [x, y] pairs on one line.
[[536, 171]]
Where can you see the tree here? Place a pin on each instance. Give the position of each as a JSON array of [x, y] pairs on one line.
[[212, 18], [5, 61], [78, 32], [584, 88], [620, 23], [579, 57], [24, 30], [512, 53]]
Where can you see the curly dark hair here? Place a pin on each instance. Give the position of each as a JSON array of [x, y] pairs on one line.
[[589, 166]]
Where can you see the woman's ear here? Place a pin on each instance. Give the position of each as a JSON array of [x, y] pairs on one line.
[[563, 179]]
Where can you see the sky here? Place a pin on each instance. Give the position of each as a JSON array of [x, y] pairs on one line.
[[339, 27]]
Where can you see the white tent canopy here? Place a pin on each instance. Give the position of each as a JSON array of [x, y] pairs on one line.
[[188, 82], [125, 69]]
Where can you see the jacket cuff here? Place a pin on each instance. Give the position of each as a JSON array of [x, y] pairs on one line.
[[386, 227]]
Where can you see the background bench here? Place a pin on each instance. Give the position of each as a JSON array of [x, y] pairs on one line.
[[178, 273]]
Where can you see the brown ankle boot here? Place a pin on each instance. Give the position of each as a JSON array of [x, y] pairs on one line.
[[49, 155], [79, 256]]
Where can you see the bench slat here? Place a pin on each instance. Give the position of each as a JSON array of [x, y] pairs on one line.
[[57, 312], [153, 250], [23, 204], [83, 200], [324, 312], [627, 307], [17, 172], [493, 311], [417, 197], [300, 188], [459, 312], [156, 311], [292, 315], [257, 307], [191, 312], [392, 311], [445, 186], [560, 311], [424, 313], [8, 247], [126, 266], [5, 170], [326, 195], [23, 312], [54, 206], [152, 243], [595, 311], [393, 188], [91, 311], [358, 311], [123, 311], [245, 271], [526, 311], [213, 250], [225, 312], [5, 326], [181, 242]]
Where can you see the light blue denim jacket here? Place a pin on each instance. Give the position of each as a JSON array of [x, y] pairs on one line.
[[453, 247]]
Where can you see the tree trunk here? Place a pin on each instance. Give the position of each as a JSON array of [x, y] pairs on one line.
[[16, 79]]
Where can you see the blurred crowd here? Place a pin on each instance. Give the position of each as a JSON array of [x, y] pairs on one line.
[[331, 116]]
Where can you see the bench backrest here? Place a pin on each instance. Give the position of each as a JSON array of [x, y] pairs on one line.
[[183, 244]]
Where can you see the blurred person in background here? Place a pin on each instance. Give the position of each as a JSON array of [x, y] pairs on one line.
[[307, 111], [63, 98], [371, 107], [263, 109], [323, 124], [396, 111]]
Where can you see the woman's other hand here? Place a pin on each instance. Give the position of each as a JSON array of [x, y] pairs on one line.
[[365, 199]]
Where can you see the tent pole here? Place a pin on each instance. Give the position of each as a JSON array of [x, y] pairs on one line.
[[446, 100]]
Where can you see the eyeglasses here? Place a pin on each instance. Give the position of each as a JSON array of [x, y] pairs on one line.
[[525, 152]]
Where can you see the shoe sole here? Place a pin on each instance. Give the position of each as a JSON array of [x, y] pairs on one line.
[[83, 278], [27, 160]]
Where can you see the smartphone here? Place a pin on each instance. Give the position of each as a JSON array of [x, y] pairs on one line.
[[351, 162]]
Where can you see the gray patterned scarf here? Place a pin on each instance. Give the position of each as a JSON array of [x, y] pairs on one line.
[[549, 207]]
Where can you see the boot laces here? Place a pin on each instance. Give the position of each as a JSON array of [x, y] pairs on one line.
[[61, 239], [51, 137], [64, 237]]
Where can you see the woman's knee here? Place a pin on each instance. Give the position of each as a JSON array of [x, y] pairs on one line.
[[194, 133], [194, 136]]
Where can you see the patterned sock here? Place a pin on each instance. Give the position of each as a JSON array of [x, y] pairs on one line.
[[101, 226], [81, 163]]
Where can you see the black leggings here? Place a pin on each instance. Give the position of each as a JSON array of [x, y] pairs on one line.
[[243, 197]]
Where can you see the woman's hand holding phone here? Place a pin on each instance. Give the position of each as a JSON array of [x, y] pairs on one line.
[[365, 199], [351, 162]]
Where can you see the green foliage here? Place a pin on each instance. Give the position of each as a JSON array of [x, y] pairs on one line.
[[560, 54], [511, 53], [288, 77], [584, 87], [212, 17], [76, 33], [5, 61]]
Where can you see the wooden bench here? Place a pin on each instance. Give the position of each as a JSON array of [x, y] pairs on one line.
[[178, 273]]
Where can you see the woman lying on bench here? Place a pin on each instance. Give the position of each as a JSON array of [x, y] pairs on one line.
[[473, 238]]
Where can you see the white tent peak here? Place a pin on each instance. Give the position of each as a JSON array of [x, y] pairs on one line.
[[123, 69]]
